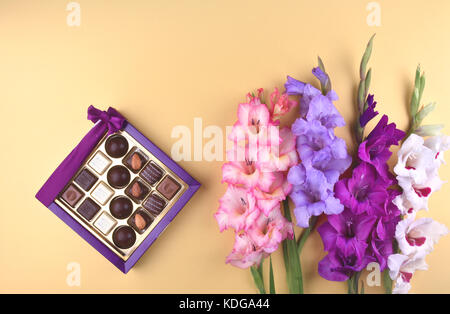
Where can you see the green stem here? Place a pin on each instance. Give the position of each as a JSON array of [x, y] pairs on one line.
[[306, 232], [352, 283], [271, 279], [387, 281], [292, 259], [258, 278], [411, 129]]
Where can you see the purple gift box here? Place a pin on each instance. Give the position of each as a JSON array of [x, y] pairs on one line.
[[111, 122]]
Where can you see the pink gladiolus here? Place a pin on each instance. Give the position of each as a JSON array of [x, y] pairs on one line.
[[256, 174]]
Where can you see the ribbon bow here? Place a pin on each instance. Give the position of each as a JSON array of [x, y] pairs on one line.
[[112, 119]]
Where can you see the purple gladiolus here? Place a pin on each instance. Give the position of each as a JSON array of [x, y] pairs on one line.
[[364, 232], [369, 113], [364, 191], [375, 149], [345, 237]]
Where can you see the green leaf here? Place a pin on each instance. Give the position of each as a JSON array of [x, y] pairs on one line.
[[260, 268], [362, 287], [257, 278], [361, 99], [416, 93], [367, 82], [421, 87], [286, 264], [365, 58], [292, 259], [271, 279], [306, 232], [429, 130], [387, 281], [325, 88], [424, 112], [321, 65]]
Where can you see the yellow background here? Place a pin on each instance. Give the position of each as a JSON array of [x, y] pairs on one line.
[[163, 63]]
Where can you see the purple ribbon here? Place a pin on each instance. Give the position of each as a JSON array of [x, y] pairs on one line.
[[111, 121]]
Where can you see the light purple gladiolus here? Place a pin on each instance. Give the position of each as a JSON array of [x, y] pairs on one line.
[[312, 194], [324, 156]]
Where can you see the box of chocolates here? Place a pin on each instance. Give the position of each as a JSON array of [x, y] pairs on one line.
[[117, 189]]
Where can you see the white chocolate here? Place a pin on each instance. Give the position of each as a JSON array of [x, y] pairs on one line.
[[99, 162], [105, 223], [102, 193]]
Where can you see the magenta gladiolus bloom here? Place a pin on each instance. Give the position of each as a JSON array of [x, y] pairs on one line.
[[364, 191], [365, 230], [375, 149]]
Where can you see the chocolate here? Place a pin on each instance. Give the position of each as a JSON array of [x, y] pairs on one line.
[[72, 195], [154, 204], [168, 187], [121, 207], [151, 173], [99, 162], [102, 193], [88, 209], [116, 146], [86, 179], [140, 221], [118, 177], [124, 237], [105, 223], [137, 191]]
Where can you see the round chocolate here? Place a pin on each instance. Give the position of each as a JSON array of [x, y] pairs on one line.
[[124, 237], [118, 177], [116, 146], [121, 207]]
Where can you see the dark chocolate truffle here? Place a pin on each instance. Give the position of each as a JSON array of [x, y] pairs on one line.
[[88, 209], [116, 146], [121, 207], [86, 179], [124, 237], [118, 177], [168, 187], [151, 173], [154, 204]]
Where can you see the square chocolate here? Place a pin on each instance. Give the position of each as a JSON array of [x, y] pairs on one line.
[[168, 187], [151, 173], [154, 204], [105, 223], [86, 179], [72, 195], [99, 162], [140, 221], [88, 209], [102, 193], [137, 190], [135, 160]]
